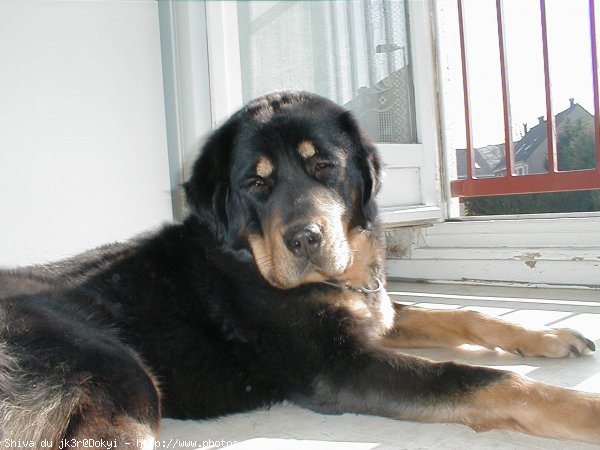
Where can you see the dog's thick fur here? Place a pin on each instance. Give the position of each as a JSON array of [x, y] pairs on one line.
[[270, 290]]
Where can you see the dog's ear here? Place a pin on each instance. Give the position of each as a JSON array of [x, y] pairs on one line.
[[368, 163], [207, 190]]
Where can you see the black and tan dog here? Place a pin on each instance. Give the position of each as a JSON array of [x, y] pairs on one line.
[[271, 289]]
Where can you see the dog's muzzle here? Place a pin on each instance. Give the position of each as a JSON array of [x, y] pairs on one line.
[[304, 241]]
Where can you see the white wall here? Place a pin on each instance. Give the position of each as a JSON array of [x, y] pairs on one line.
[[83, 157]]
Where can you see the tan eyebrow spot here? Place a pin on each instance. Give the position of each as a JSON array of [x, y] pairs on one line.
[[264, 167], [307, 149]]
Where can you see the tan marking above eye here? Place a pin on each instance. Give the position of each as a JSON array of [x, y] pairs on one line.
[[264, 167], [307, 149]]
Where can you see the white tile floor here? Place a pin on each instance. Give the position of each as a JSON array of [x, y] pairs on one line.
[[289, 427]]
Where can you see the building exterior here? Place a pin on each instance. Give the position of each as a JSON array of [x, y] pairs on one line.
[[531, 151]]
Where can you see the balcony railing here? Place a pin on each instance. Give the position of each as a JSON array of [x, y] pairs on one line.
[[512, 178]]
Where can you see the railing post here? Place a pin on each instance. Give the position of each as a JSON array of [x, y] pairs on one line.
[[469, 152], [550, 126], [593, 38], [509, 153]]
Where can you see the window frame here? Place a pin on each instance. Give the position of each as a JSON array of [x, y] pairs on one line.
[[186, 89], [429, 150], [209, 27], [191, 116]]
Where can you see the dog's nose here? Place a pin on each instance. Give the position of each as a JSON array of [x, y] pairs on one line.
[[304, 240]]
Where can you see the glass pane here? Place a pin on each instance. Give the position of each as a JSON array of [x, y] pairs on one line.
[[485, 86], [356, 53], [452, 94], [527, 93], [572, 86]]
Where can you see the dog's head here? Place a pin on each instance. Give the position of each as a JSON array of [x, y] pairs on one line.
[[292, 179]]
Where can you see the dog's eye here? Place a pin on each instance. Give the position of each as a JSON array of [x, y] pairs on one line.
[[257, 184], [322, 170]]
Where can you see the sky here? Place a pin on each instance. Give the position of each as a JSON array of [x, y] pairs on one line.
[[569, 55]]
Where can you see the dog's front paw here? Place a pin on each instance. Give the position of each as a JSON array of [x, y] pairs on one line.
[[554, 343]]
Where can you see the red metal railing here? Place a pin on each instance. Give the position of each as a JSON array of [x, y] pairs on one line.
[[553, 180]]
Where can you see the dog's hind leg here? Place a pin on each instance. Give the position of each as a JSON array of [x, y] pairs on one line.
[[63, 407], [120, 406], [34, 407], [420, 327], [390, 384], [71, 407], [66, 382], [525, 405]]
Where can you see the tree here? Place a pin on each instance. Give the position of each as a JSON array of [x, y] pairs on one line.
[[576, 149]]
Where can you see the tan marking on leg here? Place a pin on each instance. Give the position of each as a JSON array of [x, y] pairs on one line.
[[521, 404], [420, 327], [532, 407], [307, 149], [264, 167]]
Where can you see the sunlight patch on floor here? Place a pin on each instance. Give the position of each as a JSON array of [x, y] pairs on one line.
[[588, 324], [592, 384], [535, 318], [296, 444]]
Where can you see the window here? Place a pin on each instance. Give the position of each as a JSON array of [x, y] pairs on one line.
[[528, 74], [372, 56], [355, 53], [209, 71]]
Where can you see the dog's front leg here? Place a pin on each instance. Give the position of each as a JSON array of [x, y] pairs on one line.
[[407, 387], [416, 327]]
